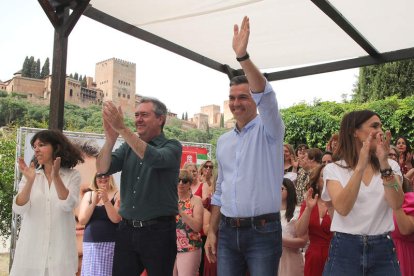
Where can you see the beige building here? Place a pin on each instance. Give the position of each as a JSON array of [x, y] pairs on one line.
[[213, 113], [3, 86], [39, 90], [26, 86], [200, 120], [116, 78]]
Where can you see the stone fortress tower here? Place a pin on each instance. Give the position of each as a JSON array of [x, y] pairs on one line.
[[116, 78]]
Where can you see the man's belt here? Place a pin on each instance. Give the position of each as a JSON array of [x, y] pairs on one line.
[[144, 223], [251, 221]]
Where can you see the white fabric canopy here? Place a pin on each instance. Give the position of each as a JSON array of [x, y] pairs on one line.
[[284, 33]]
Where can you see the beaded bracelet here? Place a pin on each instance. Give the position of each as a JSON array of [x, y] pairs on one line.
[[393, 185]]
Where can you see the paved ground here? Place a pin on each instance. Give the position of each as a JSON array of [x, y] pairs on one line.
[[4, 264]]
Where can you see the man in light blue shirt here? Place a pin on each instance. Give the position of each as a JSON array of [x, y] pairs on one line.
[[246, 203]]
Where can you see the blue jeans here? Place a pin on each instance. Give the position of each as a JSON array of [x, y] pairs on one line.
[[361, 255], [256, 248], [153, 248]]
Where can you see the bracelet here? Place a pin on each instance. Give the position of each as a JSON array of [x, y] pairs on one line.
[[388, 177], [393, 185], [386, 172], [243, 58]]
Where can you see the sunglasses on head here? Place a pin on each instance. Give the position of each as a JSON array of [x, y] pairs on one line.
[[183, 180], [209, 166], [101, 176]]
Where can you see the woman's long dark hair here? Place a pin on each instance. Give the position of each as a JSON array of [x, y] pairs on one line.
[[407, 147], [314, 179], [70, 154], [291, 200], [347, 144]]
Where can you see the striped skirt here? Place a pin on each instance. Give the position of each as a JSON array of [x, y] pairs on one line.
[[97, 258]]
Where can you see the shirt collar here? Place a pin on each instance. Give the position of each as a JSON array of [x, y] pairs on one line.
[[249, 125], [158, 140], [62, 171]]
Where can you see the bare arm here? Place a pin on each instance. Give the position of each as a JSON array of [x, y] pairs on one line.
[[112, 210], [211, 242], [206, 221], [297, 242], [394, 195], [240, 41], [302, 224], [194, 221], [344, 198], [405, 222], [86, 208]]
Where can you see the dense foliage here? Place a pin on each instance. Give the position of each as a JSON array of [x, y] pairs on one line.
[[7, 161], [380, 81]]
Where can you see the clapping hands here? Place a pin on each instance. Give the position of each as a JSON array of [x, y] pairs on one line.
[[29, 172]]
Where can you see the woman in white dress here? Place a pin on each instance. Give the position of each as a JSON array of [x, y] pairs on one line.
[[291, 261], [48, 192]]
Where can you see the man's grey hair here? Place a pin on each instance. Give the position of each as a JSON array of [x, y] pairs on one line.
[[160, 109]]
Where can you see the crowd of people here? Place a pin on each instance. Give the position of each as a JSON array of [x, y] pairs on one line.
[[267, 208]]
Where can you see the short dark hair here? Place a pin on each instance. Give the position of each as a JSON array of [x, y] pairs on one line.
[[315, 154], [160, 109], [238, 80], [69, 153]]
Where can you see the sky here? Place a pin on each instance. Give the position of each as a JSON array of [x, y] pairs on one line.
[[183, 85]]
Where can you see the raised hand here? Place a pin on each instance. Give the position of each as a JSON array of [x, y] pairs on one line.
[[383, 145], [56, 167], [29, 172], [241, 37], [364, 154], [103, 194], [293, 161], [311, 202], [113, 118]]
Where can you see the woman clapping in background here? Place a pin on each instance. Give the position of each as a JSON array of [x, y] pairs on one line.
[[48, 192]]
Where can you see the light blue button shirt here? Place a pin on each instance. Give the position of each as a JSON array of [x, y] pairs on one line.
[[250, 163]]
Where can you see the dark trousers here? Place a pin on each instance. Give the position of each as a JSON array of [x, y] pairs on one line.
[[153, 248]]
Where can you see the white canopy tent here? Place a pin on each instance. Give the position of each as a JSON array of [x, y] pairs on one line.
[[290, 37]]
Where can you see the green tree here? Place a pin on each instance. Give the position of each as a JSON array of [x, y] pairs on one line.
[[11, 110], [76, 76], [380, 81], [45, 69], [32, 67], [26, 67], [33, 70], [37, 74], [222, 120], [7, 161], [186, 116], [83, 83]]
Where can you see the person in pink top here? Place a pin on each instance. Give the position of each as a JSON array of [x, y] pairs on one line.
[[403, 235]]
